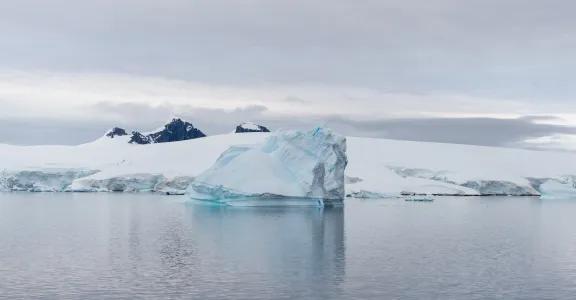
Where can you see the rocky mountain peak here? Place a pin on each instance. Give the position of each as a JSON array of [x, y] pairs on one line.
[[250, 127], [175, 130], [116, 131]]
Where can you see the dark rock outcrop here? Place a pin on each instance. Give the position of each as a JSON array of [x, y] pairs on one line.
[[116, 131], [138, 138], [175, 130], [250, 127]]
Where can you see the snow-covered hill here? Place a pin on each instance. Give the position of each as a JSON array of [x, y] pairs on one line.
[[377, 167]]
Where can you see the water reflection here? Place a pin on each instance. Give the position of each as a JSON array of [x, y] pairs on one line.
[[215, 252], [279, 248], [124, 246]]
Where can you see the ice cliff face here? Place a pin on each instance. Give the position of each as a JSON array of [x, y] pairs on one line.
[[558, 188], [250, 127], [84, 180], [287, 165], [484, 186], [131, 183], [41, 180]]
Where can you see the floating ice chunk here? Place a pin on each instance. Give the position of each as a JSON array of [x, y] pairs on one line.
[[290, 164]]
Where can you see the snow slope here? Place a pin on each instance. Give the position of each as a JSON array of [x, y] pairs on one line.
[[377, 167]]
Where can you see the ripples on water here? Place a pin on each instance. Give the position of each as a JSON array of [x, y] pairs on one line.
[[95, 246]]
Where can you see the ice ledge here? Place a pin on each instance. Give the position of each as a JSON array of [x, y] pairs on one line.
[[83, 180]]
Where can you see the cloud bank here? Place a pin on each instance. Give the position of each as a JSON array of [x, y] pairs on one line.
[[407, 69]]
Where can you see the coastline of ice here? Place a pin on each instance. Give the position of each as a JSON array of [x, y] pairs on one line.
[[377, 167]]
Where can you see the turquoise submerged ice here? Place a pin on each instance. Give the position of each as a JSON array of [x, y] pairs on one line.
[[290, 167]]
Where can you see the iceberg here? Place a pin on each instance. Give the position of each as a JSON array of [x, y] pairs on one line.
[[289, 167], [563, 188]]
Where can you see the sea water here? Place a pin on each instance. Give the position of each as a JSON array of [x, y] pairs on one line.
[[148, 246]]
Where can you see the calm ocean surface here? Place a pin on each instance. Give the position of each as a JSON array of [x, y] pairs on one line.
[[146, 246]]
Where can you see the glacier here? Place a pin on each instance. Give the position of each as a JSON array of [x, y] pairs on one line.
[[376, 167], [41, 180], [288, 165], [131, 183], [83, 180]]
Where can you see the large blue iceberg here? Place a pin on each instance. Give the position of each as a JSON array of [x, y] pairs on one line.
[[290, 167]]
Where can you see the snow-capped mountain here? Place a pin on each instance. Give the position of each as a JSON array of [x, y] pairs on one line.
[[174, 131], [250, 127]]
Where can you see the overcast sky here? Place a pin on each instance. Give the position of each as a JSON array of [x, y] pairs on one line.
[[488, 72]]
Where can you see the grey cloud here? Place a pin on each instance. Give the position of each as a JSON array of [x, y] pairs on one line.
[[135, 114], [145, 117], [131, 116], [50, 132], [515, 50], [224, 121], [512, 48], [473, 131], [296, 100]]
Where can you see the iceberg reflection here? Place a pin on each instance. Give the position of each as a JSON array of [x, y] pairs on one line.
[[284, 250]]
